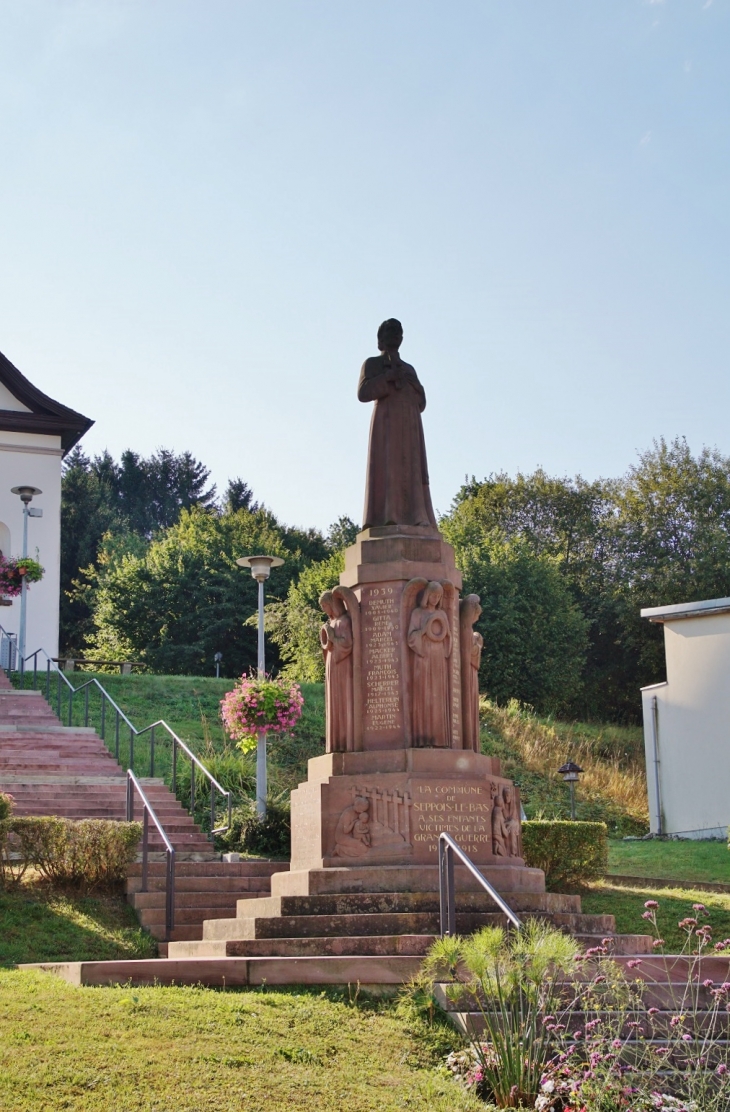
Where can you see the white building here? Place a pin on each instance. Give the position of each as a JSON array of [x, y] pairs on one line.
[[687, 722], [35, 434]]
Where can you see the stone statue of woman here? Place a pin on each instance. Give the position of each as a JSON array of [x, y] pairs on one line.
[[336, 640], [429, 638], [397, 490], [470, 644]]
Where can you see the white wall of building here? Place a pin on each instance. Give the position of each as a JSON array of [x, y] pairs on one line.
[[687, 722], [35, 460]]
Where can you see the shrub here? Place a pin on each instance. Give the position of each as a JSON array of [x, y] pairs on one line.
[[235, 772], [268, 837], [569, 853], [6, 806], [85, 853]]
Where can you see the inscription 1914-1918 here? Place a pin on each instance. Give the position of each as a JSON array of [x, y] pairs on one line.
[[381, 645], [461, 809]]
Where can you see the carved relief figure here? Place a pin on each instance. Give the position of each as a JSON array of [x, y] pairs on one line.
[[352, 836], [336, 638], [505, 822], [471, 644], [429, 638], [377, 821], [397, 489]]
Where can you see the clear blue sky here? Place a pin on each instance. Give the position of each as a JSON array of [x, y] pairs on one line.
[[206, 209]]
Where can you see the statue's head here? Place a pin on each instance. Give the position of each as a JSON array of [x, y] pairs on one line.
[[390, 335], [432, 595], [326, 601], [471, 607]]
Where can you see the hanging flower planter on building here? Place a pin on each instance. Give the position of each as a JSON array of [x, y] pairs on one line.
[[12, 573]]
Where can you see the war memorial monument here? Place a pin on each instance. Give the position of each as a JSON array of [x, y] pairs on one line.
[[403, 759]]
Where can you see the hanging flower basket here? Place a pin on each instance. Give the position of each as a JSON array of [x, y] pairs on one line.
[[13, 572], [260, 704]]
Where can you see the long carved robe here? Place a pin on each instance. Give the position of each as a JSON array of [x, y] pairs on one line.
[[397, 489], [429, 680], [338, 684]]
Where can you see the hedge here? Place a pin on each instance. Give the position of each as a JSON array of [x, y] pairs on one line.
[[84, 853], [569, 853], [6, 806]]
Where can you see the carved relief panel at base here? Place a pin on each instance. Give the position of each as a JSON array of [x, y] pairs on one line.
[[401, 819]]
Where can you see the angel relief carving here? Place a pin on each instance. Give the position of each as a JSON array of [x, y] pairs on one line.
[[506, 827], [471, 644], [340, 641], [429, 639]]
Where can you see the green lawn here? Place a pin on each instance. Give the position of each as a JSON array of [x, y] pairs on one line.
[[201, 1050], [40, 924], [694, 862], [627, 904]]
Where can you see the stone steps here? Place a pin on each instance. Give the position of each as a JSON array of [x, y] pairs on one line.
[[364, 971], [51, 769]]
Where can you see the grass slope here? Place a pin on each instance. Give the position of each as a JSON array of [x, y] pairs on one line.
[[199, 1050], [38, 923], [613, 788], [693, 862], [627, 904]]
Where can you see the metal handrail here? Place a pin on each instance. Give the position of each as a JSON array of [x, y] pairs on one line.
[[133, 785], [447, 893], [134, 733]]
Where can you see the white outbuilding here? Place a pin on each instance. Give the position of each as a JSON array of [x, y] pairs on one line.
[[687, 722], [36, 432]]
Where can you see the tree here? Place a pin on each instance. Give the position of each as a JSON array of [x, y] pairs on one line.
[[342, 533], [294, 624], [184, 598], [100, 496], [535, 637], [87, 512], [239, 496], [672, 540]]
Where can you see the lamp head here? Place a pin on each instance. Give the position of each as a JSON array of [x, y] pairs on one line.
[[26, 493], [260, 565], [570, 772]]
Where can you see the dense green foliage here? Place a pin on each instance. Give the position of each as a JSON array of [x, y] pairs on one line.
[[569, 853], [268, 837], [659, 535]]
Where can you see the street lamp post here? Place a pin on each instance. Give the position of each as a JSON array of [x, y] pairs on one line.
[[26, 494], [571, 774], [260, 569]]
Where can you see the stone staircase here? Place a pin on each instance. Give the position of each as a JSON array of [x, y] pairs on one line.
[[51, 769]]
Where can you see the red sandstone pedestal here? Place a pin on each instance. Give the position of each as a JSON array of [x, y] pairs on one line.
[[369, 816]]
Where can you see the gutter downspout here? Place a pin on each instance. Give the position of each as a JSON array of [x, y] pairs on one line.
[[655, 742]]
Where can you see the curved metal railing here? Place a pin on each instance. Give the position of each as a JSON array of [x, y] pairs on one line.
[[448, 849], [133, 785]]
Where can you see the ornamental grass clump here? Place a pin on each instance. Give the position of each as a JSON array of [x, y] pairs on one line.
[[13, 572], [511, 980], [556, 1034], [257, 704]]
